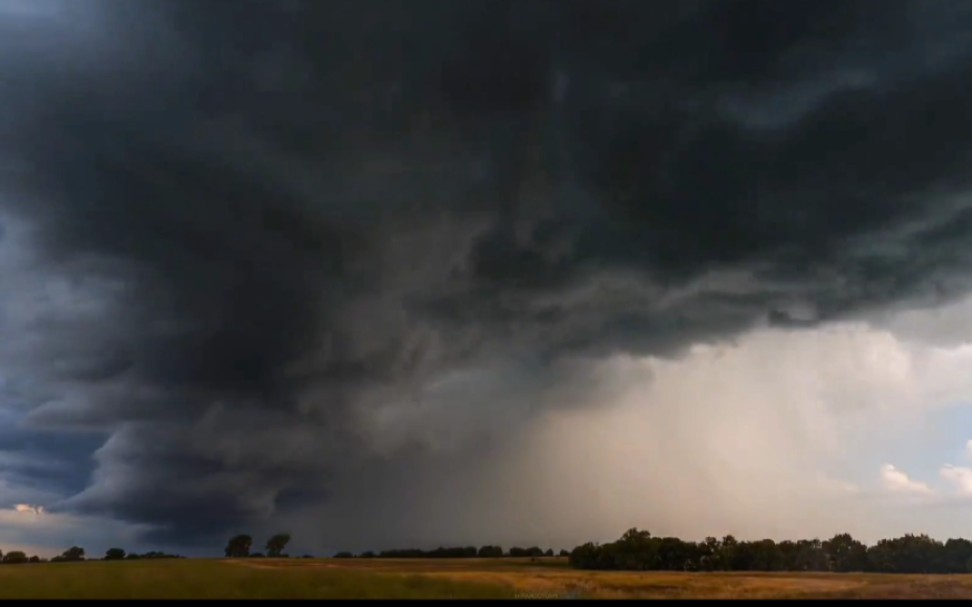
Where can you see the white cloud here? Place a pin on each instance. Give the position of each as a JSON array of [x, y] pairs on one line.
[[958, 476], [968, 449], [28, 509], [897, 481]]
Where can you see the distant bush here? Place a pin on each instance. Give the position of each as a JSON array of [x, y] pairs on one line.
[[339, 555]]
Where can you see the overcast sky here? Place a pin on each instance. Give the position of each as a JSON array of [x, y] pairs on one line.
[[414, 273]]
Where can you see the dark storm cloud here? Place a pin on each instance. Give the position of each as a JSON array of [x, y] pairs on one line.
[[244, 227]]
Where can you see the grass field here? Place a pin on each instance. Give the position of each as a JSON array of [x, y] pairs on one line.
[[460, 578]]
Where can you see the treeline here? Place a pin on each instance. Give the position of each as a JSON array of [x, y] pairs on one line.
[[16, 557], [76, 553], [452, 553], [238, 547], [117, 554], [639, 551]]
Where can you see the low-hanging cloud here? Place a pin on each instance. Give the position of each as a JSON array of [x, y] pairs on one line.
[[253, 249]]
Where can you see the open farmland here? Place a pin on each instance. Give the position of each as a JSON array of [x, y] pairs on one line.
[[441, 578]]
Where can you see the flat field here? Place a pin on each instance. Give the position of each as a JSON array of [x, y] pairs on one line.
[[440, 578]]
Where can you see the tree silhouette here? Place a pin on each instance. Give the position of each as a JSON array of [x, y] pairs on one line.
[[114, 554], [239, 546], [490, 552], [276, 544], [74, 553], [14, 557], [844, 553]]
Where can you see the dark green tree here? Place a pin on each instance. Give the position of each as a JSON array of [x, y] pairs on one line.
[[239, 546], [955, 554], [14, 557], [74, 553], [844, 553], [490, 552], [114, 554], [810, 556], [276, 544]]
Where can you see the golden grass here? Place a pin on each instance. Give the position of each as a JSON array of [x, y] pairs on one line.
[[552, 578], [442, 578]]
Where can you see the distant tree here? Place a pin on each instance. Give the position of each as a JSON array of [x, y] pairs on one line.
[[339, 555], [74, 553], [907, 554], [132, 556], [256, 555], [710, 551], [239, 546], [765, 556], [727, 552], [114, 554], [844, 553], [955, 555], [676, 555], [367, 555], [811, 556], [586, 556], [636, 550], [564, 552], [276, 544], [14, 557], [788, 553], [307, 556], [490, 552], [549, 552]]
